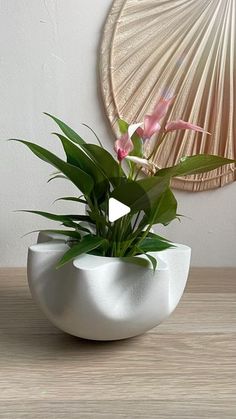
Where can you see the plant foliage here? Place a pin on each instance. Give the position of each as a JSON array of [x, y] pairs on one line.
[[98, 176]]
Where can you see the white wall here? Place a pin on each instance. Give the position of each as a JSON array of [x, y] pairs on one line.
[[48, 61]]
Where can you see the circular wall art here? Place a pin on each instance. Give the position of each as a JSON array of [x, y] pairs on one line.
[[186, 48]]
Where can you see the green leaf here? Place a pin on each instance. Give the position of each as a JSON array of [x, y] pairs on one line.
[[152, 260], [107, 164], [135, 260], [78, 156], [77, 227], [156, 236], [150, 235], [98, 218], [123, 126], [82, 180], [137, 151], [138, 146], [111, 166], [69, 132], [71, 198], [163, 211], [142, 194], [60, 218], [96, 136], [154, 245], [200, 163], [87, 244], [67, 233], [57, 177]]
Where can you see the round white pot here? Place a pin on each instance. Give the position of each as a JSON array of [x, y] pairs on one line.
[[103, 298]]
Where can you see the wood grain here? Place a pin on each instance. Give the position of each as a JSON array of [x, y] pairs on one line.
[[185, 368]]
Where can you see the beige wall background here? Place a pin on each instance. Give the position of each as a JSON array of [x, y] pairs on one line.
[[48, 62]]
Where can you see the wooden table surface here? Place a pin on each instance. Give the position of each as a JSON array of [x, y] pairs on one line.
[[185, 368]]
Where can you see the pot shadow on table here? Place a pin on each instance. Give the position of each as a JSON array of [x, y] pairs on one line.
[[23, 327]]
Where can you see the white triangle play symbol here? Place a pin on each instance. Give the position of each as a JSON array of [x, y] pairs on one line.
[[117, 210]]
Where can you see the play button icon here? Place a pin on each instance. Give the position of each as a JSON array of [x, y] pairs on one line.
[[117, 210]]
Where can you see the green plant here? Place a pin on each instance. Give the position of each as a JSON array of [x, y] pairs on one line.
[[98, 176]]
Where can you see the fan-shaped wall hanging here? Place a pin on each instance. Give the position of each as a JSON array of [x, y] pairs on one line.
[[187, 47]]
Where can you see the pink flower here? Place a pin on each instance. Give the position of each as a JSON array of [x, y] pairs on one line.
[[151, 126], [162, 107], [176, 125], [152, 122], [123, 146]]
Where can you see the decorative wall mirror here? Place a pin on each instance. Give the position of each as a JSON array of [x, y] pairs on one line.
[[188, 47]]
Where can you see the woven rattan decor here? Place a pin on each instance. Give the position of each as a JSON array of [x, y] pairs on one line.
[[188, 48]]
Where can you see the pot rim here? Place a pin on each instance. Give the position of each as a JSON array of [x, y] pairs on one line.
[[49, 242]]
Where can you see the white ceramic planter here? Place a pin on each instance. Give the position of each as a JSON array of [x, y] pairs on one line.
[[102, 298]]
